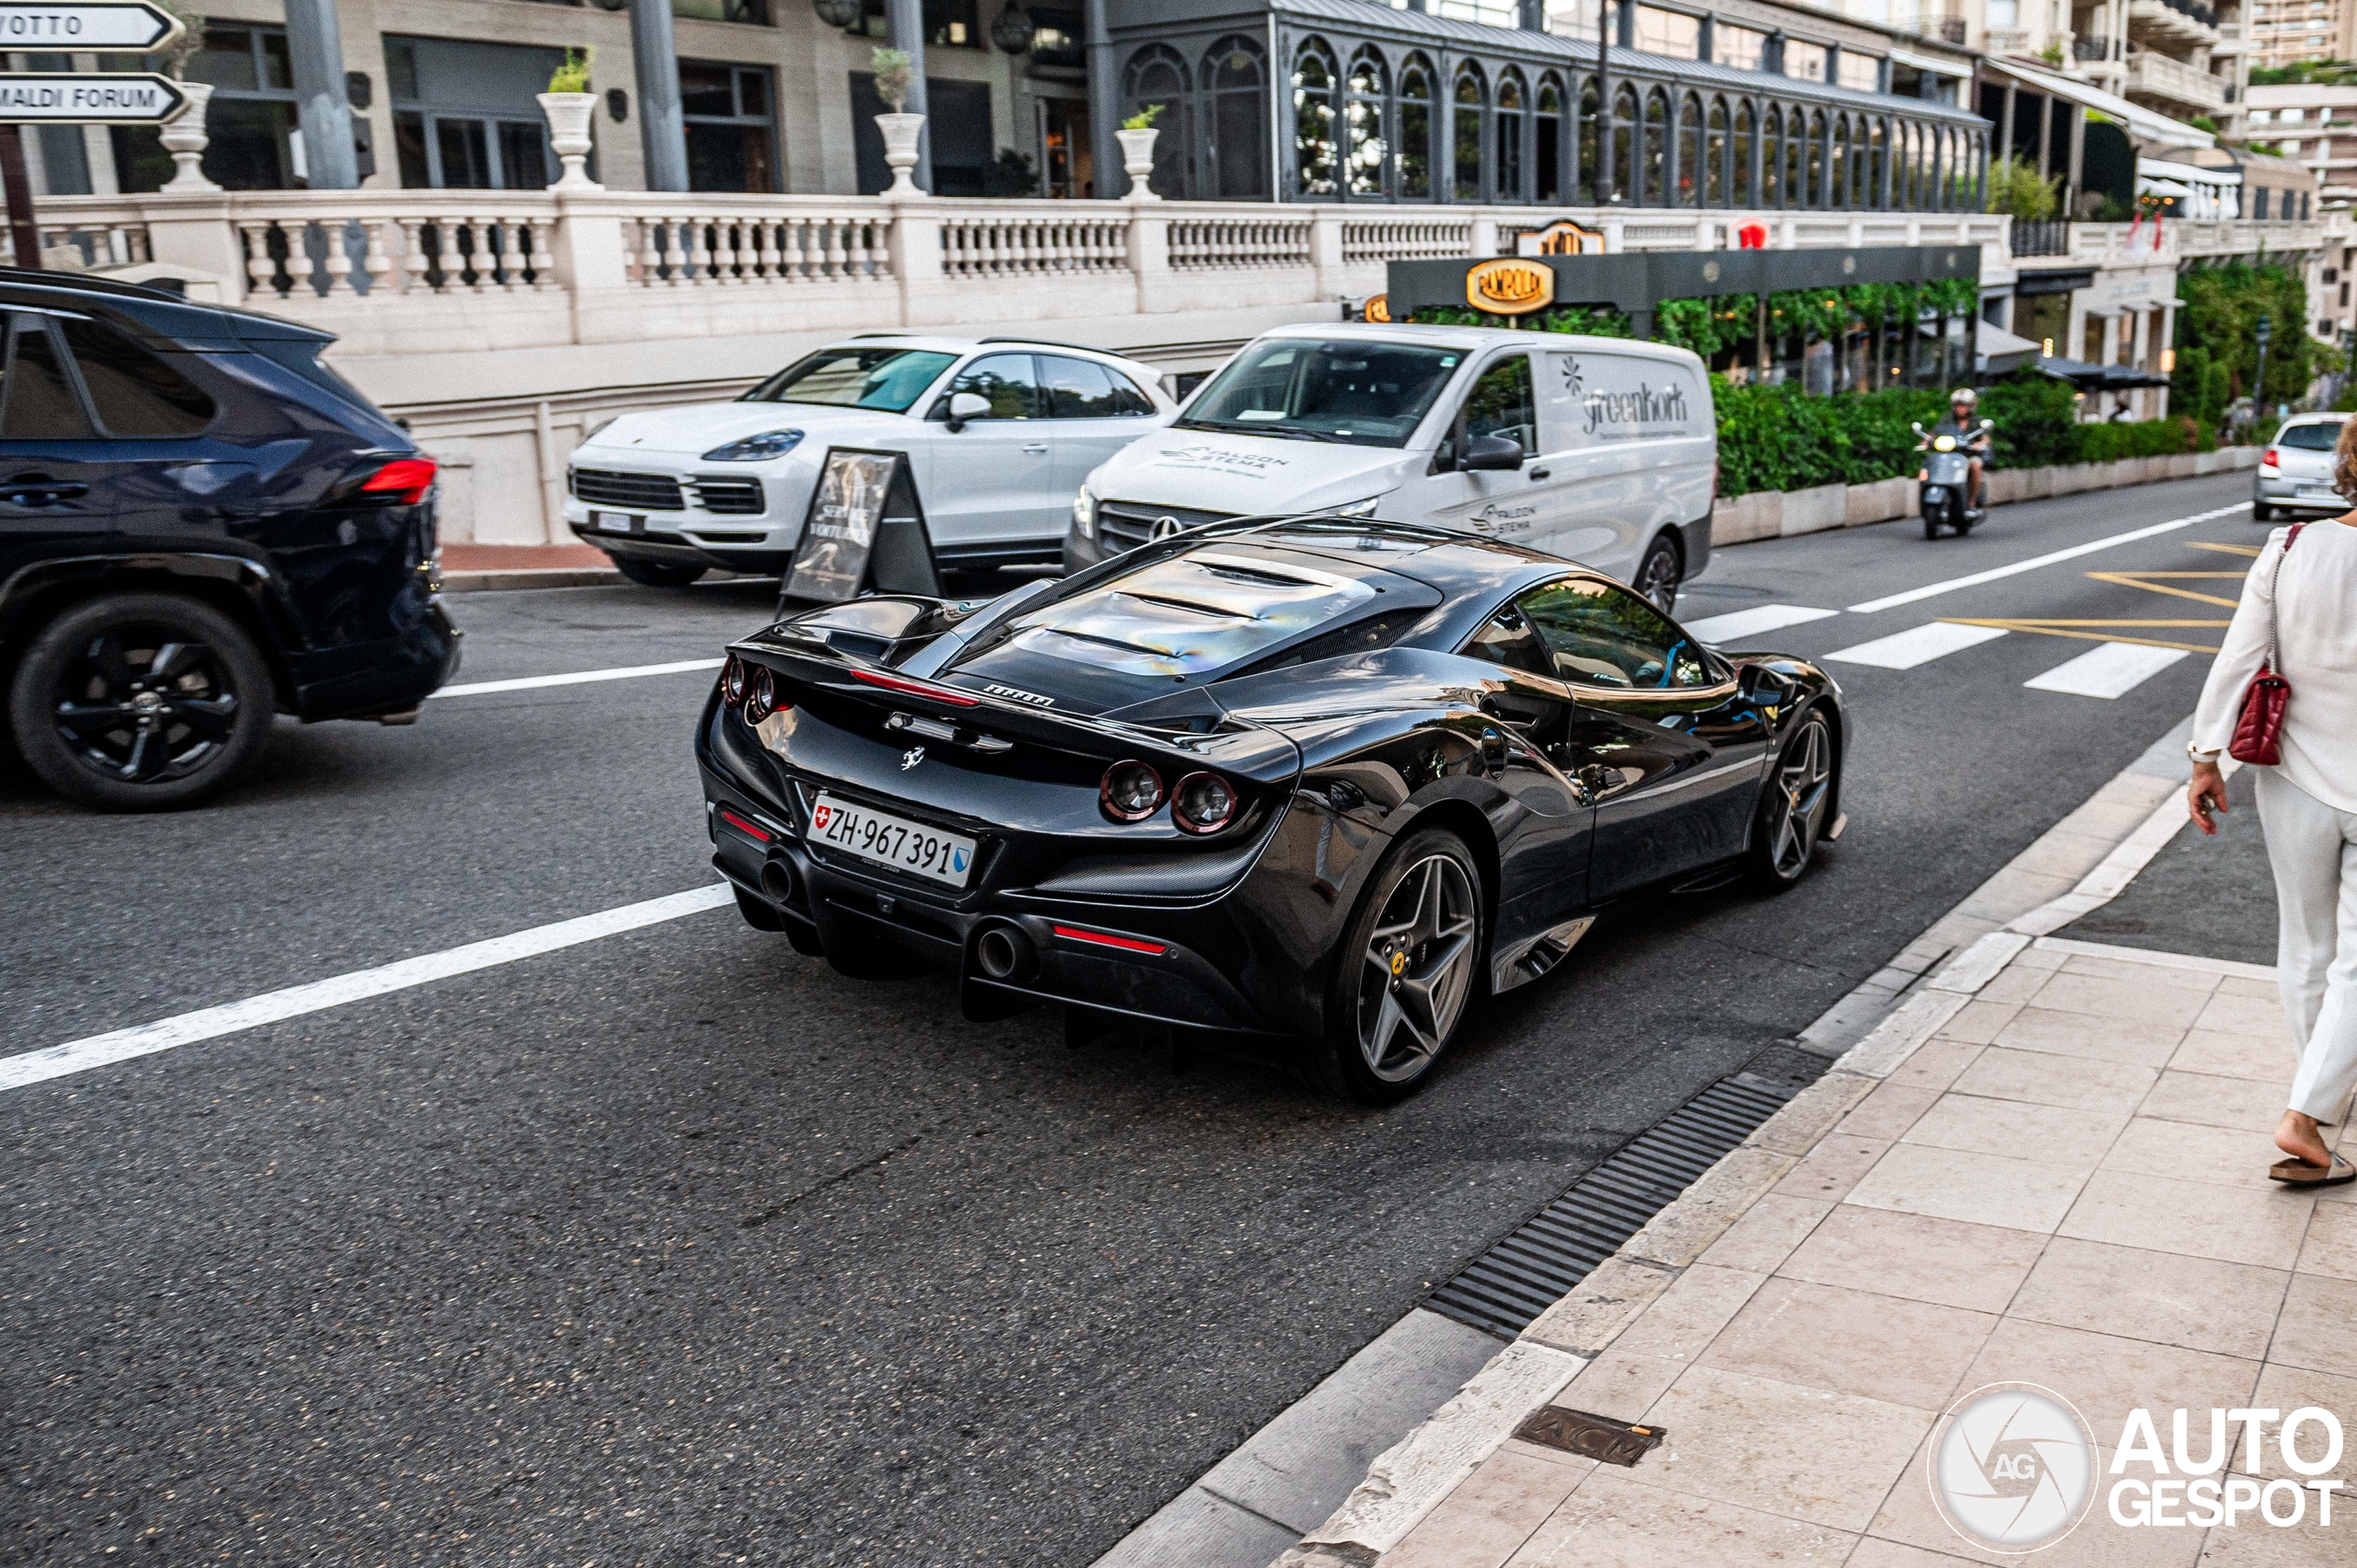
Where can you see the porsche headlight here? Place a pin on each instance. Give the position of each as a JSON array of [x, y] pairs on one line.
[[756, 448], [1357, 508], [1084, 514]]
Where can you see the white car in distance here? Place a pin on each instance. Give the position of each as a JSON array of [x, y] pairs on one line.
[[999, 431]]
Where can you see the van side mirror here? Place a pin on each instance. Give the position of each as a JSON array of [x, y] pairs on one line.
[[964, 406], [1492, 452]]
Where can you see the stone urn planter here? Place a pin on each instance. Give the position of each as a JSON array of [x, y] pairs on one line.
[[902, 132], [569, 116], [186, 140], [1137, 162]]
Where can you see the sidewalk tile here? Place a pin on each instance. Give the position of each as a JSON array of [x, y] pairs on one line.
[[1888, 1112], [2230, 1013], [2306, 1544], [1766, 1232], [1957, 1184], [1909, 1516], [2244, 985], [1486, 1520], [2045, 1133], [2331, 1246], [2130, 973], [1600, 1307], [2139, 1000], [2269, 1058], [1805, 1453], [2105, 1376], [2225, 1156], [1690, 1313], [1622, 1384], [1934, 1065], [1978, 1021], [1678, 1235], [1877, 1347], [2141, 1042], [2210, 1099], [2010, 893], [2238, 1224], [2199, 1303], [2318, 1330], [2015, 986], [2288, 1389], [1873, 1552], [1832, 1168], [2043, 1079], [1616, 1522], [2035, 957], [1946, 1261]]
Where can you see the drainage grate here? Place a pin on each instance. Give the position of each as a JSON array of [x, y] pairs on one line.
[[1529, 1269]]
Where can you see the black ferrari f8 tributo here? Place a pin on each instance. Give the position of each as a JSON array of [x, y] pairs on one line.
[[1314, 778]]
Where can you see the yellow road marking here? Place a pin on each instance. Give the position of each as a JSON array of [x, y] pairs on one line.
[[2143, 580], [2064, 628], [2228, 549]]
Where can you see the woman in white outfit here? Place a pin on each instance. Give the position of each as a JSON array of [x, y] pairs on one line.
[[2307, 803]]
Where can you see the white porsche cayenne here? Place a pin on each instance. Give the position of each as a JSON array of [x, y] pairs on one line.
[[999, 431]]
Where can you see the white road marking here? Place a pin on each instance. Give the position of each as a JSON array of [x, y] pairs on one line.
[[1920, 644], [2108, 670], [1893, 601], [580, 677], [211, 1023], [1716, 630]]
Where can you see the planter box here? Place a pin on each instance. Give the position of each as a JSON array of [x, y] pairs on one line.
[[1879, 502], [1816, 510], [1742, 518]]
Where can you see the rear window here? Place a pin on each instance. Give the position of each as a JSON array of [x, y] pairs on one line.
[[1190, 615], [2309, 437]]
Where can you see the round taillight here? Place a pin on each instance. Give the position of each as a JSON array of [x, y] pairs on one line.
[[1203, 803], [761, 695], [1130, 792], [732, 681]]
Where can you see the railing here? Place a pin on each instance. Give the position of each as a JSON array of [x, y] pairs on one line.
[[1031, 246], [716, 249], [2041, 237], [101, 231], [1203, 244], [2164, 78], [1386, 239], [2086, 50]]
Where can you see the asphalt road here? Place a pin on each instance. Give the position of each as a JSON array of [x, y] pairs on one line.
[[675, 1248]]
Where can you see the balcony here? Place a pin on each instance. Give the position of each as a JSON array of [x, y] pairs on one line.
[[2087, 50], [2177, 24], [2174, 83]]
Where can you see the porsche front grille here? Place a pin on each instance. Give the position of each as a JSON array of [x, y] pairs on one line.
[[643, 492]]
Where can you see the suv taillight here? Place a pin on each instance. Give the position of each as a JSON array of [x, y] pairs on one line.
[[403, 482]]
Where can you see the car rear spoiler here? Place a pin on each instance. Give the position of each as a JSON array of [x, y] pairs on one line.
[[1201, 733]]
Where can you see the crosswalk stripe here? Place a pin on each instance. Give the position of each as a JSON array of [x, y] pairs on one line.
[[1893, 601], [1721, 629], [2108, 670], [1920, 644]]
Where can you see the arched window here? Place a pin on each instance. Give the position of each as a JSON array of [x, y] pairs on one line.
[[1902, 153], [1315, 157], [1624, 145], [1235, 109], [1715, 152], [1879, 163], [1655, 172], [1415, 155], [1547, 142], [1583, 182], [1157, 77], [1795, 158], [1690, 151], [1837, 164], [1366, 113], [1771, 158], [1816, 189], [1511, 127], [1943, 169], [1740, 191], [1468, 127]]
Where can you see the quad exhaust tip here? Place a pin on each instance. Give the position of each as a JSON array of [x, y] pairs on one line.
[[1004, 953], [777, 881]]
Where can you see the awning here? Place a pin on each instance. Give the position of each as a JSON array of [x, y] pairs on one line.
[[2136, 117], [1931, 67], [2190, 173], [2063, 280], [2147, 186], [2099, 378], [1997, 352]]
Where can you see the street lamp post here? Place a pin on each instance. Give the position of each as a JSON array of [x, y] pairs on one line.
[[2258, 389]]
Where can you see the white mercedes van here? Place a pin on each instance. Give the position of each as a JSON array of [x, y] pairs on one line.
[[1600, 449]]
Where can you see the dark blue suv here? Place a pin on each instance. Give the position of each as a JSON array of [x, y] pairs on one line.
[[201, 526]]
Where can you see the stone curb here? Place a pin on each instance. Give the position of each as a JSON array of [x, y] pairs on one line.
[[529, 577], [1411, 1478]]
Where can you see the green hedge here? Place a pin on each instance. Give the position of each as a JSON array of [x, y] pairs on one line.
[[1776, 438]]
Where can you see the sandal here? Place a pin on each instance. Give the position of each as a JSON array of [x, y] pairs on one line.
[[2300, 1173]]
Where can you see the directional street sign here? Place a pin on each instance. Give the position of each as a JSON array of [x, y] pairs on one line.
[[87, 24], [40, 97]]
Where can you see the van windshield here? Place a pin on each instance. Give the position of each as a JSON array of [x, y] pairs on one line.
[[1364, 394], [886, 378]]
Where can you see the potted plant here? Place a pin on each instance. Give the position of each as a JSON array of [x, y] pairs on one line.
[[569, 105], [1136, 137], [901, 130], [185, 138]]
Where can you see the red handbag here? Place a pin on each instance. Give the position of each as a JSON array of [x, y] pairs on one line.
[[2259, 728]]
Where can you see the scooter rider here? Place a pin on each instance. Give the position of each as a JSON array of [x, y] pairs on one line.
[[1962, 405]]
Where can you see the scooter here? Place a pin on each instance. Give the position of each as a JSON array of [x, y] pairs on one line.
[[1947, 483]]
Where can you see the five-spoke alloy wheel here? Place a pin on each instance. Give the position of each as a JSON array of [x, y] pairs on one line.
[[1658, 576], [140, 702], [1792, 808], [1411, 964]]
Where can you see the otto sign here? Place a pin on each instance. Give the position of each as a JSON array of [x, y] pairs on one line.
[[60, 98], [95, 24]]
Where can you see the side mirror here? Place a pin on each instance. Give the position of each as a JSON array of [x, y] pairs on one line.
[[964, 406], [1492, 452], [1917, 427], [1758, 683]]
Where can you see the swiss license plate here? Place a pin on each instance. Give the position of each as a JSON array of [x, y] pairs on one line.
[[892, 841], [618, 522]]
